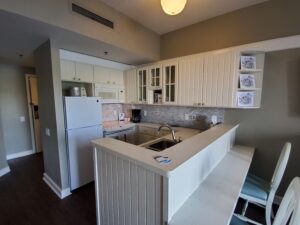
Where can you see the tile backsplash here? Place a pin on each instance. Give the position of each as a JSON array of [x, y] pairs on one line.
[[111, 112], [175, 115]]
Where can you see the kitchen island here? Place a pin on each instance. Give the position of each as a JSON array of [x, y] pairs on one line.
[[133, 188]]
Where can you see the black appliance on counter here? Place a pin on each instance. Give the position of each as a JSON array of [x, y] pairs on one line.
[[136, 115]]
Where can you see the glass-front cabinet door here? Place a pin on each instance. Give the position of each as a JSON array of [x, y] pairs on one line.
[[170, 76], [155, 77], [142, 85]]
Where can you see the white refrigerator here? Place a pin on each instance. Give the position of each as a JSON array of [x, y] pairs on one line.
[[83, 120]]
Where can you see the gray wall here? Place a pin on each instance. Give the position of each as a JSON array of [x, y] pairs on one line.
[[278, 119], [16, 135], [51, 113], [3, 162], [269, 20]]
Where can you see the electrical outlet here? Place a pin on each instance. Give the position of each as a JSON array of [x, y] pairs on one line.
[[115, 112], [192, 117], [186, 116], [22, 119], [47, 132]]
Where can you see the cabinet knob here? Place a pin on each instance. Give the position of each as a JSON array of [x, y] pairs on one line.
[[78, 78], [114, 82], [203, 103], [108, 82], [74, 78]]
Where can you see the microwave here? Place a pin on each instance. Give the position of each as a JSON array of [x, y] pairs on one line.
[[110, 94]]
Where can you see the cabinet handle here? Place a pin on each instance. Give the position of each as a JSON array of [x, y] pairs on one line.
[[203, 103], [78, 78]]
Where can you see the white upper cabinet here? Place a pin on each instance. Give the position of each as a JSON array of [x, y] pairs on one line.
[[77, 72], [190, 80], [101, 75], [170, 82], [142, 75], [218, 79], [207, 79], [84, 72], [130, 79], [108, 76], [155, 76], [67, 69]]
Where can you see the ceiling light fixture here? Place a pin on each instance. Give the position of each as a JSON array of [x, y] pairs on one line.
[[173, 7]]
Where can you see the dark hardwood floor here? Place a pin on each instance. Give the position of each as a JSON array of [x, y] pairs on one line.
[[25, 199]]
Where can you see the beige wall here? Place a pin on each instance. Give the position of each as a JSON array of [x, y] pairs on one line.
[[278, 119], [269, 20], [127, 34]]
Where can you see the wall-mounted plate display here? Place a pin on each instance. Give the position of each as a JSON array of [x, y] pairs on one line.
[[247, 81], [248, 62], [245, 99]]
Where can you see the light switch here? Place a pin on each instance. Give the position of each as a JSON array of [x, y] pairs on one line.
[[145, 113], [47, 131], [22, 119]]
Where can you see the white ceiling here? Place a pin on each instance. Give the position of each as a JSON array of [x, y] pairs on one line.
[[150, 14]]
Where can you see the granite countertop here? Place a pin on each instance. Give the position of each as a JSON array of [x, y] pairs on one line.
[[193, 142]]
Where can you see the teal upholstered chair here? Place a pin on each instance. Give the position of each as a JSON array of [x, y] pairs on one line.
[[260, 192], [289, 207]]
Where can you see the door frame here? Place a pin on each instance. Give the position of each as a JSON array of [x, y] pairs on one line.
[[33, 142]]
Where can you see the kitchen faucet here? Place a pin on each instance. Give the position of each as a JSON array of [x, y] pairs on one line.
[[171, 129]]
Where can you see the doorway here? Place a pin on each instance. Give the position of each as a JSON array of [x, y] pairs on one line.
[[33, 108]]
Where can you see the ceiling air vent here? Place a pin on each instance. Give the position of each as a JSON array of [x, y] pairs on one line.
[[84, 12]]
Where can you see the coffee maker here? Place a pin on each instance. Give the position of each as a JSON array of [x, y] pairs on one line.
[[136, 115]]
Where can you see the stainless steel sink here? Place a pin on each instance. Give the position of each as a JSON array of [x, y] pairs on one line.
[[161, 145]]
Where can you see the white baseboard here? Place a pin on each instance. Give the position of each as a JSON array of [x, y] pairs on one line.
[[4, 171], [277, 199], [55, 188], [19, 154]]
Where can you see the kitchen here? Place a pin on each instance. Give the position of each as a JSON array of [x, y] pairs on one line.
[[240, 116]]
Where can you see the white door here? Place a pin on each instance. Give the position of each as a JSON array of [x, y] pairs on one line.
[[33, 103], [82, 112], [80, 154]]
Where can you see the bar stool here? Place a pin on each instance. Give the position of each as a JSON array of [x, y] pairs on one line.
[[289, 207], [260, 192]]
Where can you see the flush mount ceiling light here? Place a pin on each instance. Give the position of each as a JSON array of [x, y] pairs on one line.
[[173, 7]]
